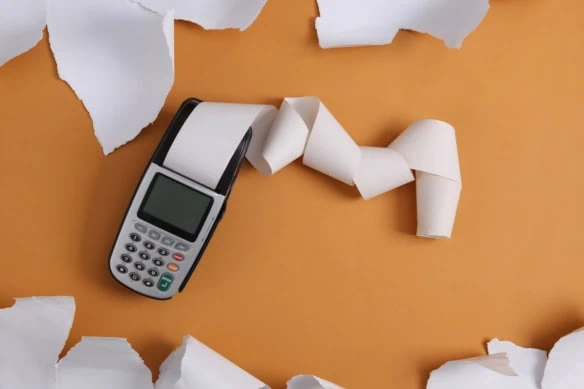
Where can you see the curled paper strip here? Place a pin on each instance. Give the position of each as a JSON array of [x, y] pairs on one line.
[[21, 26], [34, 331], [345, 23], [304, 127], [211, 14], [512, 367], [118, 57]]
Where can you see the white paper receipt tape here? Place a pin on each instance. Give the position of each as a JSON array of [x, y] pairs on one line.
[[303, 126]]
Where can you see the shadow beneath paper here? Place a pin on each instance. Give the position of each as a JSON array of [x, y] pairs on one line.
[[114, 186]]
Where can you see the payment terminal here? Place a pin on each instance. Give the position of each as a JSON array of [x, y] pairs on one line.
[[170, 220]]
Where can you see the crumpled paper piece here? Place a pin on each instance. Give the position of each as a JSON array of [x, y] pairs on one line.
[[344, 23], [21, 26], [118, 57], [211, 14], [509, 366], [33, 333]]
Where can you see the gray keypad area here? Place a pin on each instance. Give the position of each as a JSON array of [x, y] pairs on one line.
[[151, 257]]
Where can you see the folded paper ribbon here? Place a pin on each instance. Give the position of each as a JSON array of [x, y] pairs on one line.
[[304, 127]]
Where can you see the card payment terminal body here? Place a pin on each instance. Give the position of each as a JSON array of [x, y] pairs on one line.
[[170, 220]]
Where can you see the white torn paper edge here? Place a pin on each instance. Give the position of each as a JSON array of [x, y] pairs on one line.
[[35, 330], [32, 334], [212, 370], [512, 367], [118, 57], [304, 127], [96, 361], [344, 23], [310, 382], [211, 14], [21, 26]]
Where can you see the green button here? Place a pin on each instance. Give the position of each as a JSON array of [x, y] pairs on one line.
[[165, 281]]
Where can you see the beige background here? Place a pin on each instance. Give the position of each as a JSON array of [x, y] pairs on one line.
[[303, 276]]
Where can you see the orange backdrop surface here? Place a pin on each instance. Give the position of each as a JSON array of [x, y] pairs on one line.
[[303, 276]]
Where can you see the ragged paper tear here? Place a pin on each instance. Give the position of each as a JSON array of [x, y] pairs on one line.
[[32, 334], [35, 330], [118, 57], [197, 366], [345, 23], [512, 367], [21, 26], [310, 382], [211, 14], [95, 361], [304, 127]]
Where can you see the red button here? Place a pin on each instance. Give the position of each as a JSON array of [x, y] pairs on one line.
[[177, 257]]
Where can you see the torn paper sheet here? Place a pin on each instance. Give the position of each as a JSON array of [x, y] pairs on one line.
[[34, 330], [32, 334], [310, 382], [211, 14], [97, 363], [345, 23], [512, 367], [195, 366], [21, 26], [118, 57], [565, 366], [304, 127]]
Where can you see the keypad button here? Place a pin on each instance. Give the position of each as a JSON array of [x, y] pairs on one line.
[[167, 240], [144, 255], [178, 257], [135, 276], [158, 262], [139, 266], [148, 283], [153, 272], [182, 247], [131, 248], [126, 258], [162, 251], [165, 282], [149, 245], [122, 269], [140, 227], [135, 237], [172, 267], [154, 235]]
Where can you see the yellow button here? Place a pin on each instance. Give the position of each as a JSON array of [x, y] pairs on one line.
[[172, 267]]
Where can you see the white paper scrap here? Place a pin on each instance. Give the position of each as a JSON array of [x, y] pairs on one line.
[[310, 382], [345, 23], [196, 366], [118, 57], [429, 147], [489, 372], [562, 369], [32, 334], [99, 363], [211, 14], [565, 366], [21, 26], [529, 363]]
